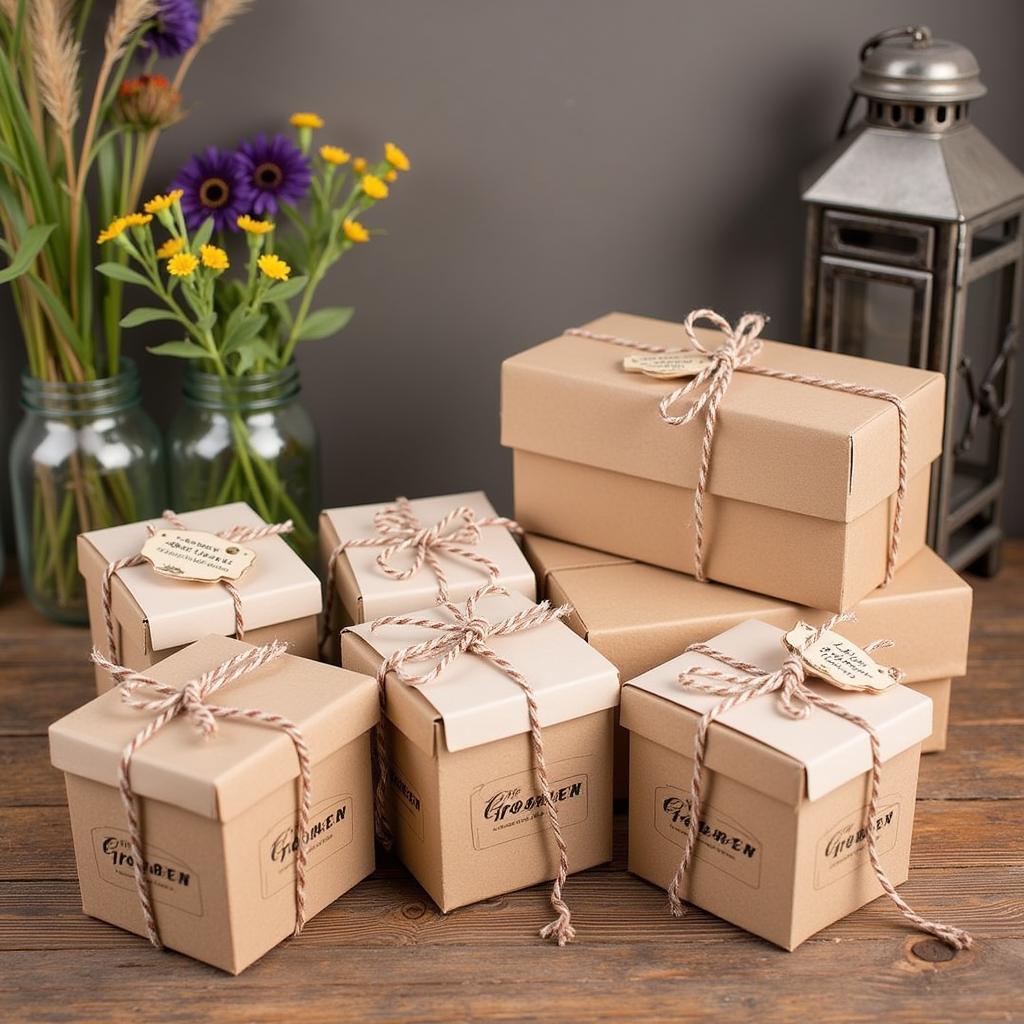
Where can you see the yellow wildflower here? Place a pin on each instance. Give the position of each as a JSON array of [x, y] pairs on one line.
[[136, 220], [359, 165], [170, 248], [354, 231], [274, 267], [252, 226], [391, 174], [112, 230], [214, 257], [374, 187], [396, 157], [335, 154], [303, 120], [182, 264], [163, 202]]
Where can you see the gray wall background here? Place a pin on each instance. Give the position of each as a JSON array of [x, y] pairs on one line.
[[569, 157]]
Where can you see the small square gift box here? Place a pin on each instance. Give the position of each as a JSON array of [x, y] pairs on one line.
[[767, 795], [784, 470], [639, 616], [153, 587], [220, 801], [396, 558], [495, 761]]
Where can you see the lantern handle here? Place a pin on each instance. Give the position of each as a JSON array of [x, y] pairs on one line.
[[920, 34]]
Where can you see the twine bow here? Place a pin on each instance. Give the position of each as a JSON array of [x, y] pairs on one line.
[[167, 703], [238, 534], [796, 699], [469, 633], [740, 347], [398, 529]]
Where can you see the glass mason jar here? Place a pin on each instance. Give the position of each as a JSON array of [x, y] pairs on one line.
[[84, 457], [248, 439]]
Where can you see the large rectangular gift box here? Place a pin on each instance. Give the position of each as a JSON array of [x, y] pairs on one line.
[[155, 615], [781, 849], [219, 814], [463, 798], [802, 483], [365, 592], [639, 616]]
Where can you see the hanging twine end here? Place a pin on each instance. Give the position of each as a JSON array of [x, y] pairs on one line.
[[561, 929]]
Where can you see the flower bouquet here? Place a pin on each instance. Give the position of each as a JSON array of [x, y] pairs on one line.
[[240, 326], [85, 456]]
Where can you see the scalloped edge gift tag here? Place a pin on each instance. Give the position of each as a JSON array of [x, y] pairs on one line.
[[839, 661], [197, 556]]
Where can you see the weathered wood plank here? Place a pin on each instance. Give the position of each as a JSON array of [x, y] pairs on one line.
[[827, 981]]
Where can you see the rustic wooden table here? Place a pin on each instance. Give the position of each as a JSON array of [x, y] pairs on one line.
[[383, 952]]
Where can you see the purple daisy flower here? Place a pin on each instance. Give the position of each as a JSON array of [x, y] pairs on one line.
[[176, 28], [277, 171], [215, 185]]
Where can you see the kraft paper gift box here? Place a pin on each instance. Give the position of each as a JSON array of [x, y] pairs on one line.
[[154, 615], [463, 798], [639, 616], [781, 850], [802, 480], [363, 591], [219, 814]]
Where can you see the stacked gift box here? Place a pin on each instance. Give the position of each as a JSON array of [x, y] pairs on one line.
[[704, 512]]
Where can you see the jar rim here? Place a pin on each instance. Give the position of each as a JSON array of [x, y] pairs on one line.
[[250, 391], [113, 393]]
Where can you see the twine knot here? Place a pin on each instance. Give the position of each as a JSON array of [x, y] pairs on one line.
[[795, 699], [167, 703], [468, 633]]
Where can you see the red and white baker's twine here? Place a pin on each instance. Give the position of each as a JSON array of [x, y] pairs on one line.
[[736, 354], [796, 699], [399, 529], [190, 700], [238, 534], [468, 634]]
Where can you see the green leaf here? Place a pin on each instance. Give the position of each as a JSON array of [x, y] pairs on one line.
[[32, 241], [284, 290], [324, 322], [146, 315], [181, 349], [238, 334], [256, 349], [119, 273], [206, 321], [202, 236]]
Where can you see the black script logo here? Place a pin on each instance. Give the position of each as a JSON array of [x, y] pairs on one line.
[[721, 841], [171, 880], [330, 831], [844, 847], [408, 800], [513, 807]]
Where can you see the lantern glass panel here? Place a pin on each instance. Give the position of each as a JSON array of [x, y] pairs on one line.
[[874, 318]]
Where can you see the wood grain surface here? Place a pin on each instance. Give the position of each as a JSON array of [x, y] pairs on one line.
[[384, 952]]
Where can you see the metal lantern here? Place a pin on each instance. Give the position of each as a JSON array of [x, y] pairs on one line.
[[914, 256]]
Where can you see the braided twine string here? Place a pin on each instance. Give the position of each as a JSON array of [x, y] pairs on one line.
[[796, 699], [469, 633], [398, 529], [167, 702], [740, 347], [237, 534]]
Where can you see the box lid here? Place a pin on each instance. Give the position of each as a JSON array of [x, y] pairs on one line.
[[233, 770], [476, 702], [277, 588], [631, 611], [824, 749], [780, 444], [380, 594]]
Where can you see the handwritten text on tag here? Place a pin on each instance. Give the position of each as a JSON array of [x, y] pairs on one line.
[[667, 365], [839, 661], [196, 556]]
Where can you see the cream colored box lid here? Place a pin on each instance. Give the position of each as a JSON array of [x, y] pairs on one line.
[[279, 586], [382, 595], [222, 776], [477, 702], [830, 749]]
